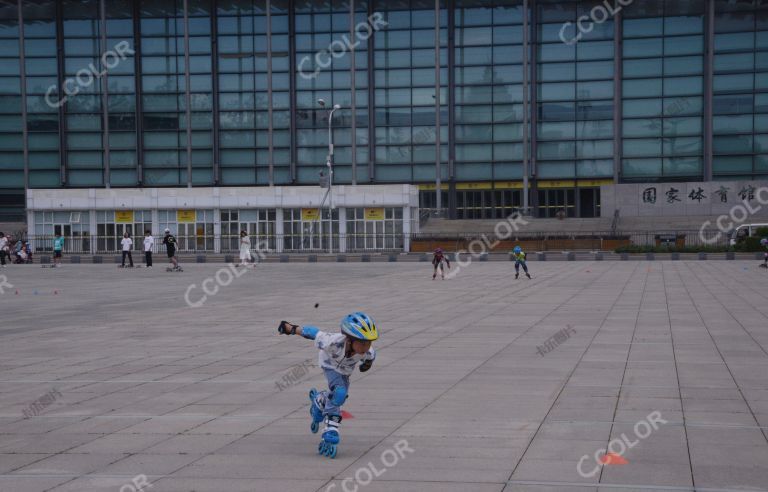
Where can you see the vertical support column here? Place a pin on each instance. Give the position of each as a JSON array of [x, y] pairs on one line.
[[93, 230], [104, 93], [342, 229], [353, 100], [371, 101], [451, 6], [533, 107], [31, 232], [62, 107], [407, 211], [438, 97], [139, 104], [279, 230], [618, 75], [24, 130], [215, 89], [709, 57], [217, 230], [270, 143], [291, 83], [526, 96], [156, 220], [187, 95]]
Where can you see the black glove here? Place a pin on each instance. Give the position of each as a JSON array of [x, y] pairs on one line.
[[366, 365], [286, 328]]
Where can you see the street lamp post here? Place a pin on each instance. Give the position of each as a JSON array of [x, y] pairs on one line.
[[329, 164]]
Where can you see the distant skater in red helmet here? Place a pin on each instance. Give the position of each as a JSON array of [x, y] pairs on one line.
[[437, 261]]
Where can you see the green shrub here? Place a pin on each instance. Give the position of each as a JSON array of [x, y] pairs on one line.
[[761, 232], [750, 244]]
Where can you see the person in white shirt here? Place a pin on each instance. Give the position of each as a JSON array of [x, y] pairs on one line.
[[4, 249], [149, 243], [245, 249], [127, 243]]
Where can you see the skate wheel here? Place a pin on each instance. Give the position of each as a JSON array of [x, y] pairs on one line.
[[312, 394], [331, 451], [321, 448], [314, 427]]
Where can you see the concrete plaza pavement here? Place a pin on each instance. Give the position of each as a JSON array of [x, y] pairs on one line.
[[465, 395]]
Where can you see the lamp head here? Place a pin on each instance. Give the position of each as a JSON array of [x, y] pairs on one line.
[[321, 102]]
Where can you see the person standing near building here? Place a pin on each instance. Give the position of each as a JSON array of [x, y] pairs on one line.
[[149, 243], [169, 241], [4, 249], [245, 249], [127, 244], [58, 248]]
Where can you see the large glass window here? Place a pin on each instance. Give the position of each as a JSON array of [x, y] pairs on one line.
[[374, 229], [193, 228], [662, 101], [44, 96], [575, 93], [404, 93], [489, 91], [243, 96], [740, 97], [324, 71], [11, 144], [164, 99], [73, 226], [307, 229], [111, 225], [258, 223]]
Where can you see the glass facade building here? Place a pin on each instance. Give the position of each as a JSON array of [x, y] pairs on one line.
[[215, 93]]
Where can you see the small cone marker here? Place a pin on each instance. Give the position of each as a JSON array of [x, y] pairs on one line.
[[17, 291], [55, 292], [613, 459], [346, 415]]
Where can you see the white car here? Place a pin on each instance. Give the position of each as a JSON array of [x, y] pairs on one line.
[[744, 231]]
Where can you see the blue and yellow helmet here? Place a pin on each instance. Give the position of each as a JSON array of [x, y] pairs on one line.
[[517, 249], [360, 326]]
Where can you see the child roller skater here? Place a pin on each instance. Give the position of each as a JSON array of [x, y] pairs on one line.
[[437, 261], [519, 256], [339, 354]]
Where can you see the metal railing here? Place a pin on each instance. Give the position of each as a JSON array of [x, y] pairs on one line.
[[226, 244], [419, 242]]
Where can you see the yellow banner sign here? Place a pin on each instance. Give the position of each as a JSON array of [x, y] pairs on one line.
[[594, 183], [309, 214], [509, 185], [374, 214], [473, 186], [557, 184], [431, 187], [123, 216], [185, 216]]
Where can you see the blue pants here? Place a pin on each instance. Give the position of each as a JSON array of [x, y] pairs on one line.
[[335, 381], [517, 266]]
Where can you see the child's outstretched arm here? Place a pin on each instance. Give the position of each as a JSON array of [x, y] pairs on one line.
[[287, 328]]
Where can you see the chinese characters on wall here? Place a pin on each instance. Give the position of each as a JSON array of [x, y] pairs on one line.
[[696, 195]]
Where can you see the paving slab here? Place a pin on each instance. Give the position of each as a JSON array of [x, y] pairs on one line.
[[481, 383]]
